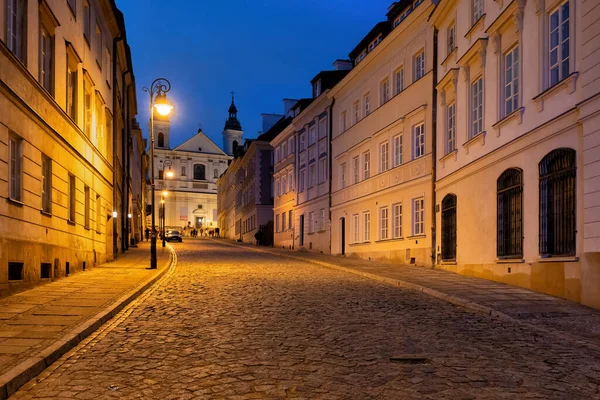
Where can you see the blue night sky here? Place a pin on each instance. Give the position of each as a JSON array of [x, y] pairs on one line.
[[264, 50]]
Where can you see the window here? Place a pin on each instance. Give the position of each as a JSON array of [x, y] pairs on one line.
[[98, 213], [46, 184], [367, 226], [290, 220], [290, 181], [559, 44], [356, 169], [16, 20], [46, 59], [419, 65], [215, 173], [161, 174], [367, 103], [72, 198], [449, 227], [312, 135], [284, 149], [558, 228], [199, 172], [343, 175], [291, 145], [183, 171], [451, 128], [277, 223], [419, 140], [302, 180], [318, 88], [322, 169], [303, 142], [511, 80], [367, 165], [397, 150], [15, 167], [99, 139], [15, 271], [322, 128], [108, 134], [311, 222], [312, 175], [87, 22], [277, 188], [385, 91], [383, 223], [399, 76], [383, 156], [71, 87], [343, 121], [418, 216], [161, 139], [356, 107], [73, 6], [322, 220], [87, 104], [477, 107], [509, 204], [451, 38], [355, 228], [86, 211], [283, 220], [99, 46], [277, 155], [284, 185], [108, 66], [477, 10]]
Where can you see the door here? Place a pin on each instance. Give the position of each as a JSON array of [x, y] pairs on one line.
[[302, 230], [343, 230]]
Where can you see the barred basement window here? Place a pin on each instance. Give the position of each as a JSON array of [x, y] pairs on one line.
[[557, 203], [15, 271], [449, 227], [509, 234]]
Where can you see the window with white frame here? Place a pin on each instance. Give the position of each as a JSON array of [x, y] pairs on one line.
[[98, 213], [46, 184], [451, 38], [312, 175], [98, 45], [302, 181], [419, 65], [323, 128], [284, 149], [322, 169], [46, 59], [476, 107], [290, 220], [311, 222], [322, 219], [418, 140], [16, 21], [477, 10], [86, 207], [108, 66], [355, 228], [366, 226], [399, 80], [418, 216], [71, 105], [367, 103], [343, 175], [385, 91], [397, 220], [15, 167], [384, 149], [397, 150], [277, 188], [87, 22], [343, 121], [356, 170], [356, 108], [559, 43], [302, 142], [72, 198], [87, 107], [450, 128], [291, 145], [511, 80], [283, 220], [367, 164], [290, 181], [284, 185], [312, 135], [384, 223], [277, 223], [277, 155]]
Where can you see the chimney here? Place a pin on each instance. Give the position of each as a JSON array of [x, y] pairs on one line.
[[342, 65], [288, 104]]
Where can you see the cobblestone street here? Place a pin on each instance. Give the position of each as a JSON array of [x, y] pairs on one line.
[[238, 324]]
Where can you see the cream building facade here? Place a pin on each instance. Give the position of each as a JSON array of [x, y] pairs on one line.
[[65, 87], [284, 188], [383, 142], [518, 172]]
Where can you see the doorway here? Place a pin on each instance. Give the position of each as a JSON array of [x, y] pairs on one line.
[[343, 230], [302, 230]]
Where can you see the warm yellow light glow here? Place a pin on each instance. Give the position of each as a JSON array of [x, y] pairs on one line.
[[162, 202], [165, 193], [162, 105], [170, 174]]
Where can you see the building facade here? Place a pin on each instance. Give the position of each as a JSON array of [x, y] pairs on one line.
[[518, 172], [382, 146], [65, 87]]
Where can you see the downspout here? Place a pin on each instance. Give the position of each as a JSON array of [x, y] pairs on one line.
[[115, 130], [434, 150], [330, 168], [126, 172]]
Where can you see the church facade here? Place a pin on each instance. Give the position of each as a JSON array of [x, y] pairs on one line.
[[188, 174]]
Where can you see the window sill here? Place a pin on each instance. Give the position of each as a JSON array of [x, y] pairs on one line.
[[14, 202], [510, 261], [476, 24], [557, 259], [569, 84], [321, 231], [453, 155], [87, 228], [480, 137], [359, 244], [517, 114], [448, 262], [45, 213], [398, 239], [417, 237], [452, 53], [71, 222]]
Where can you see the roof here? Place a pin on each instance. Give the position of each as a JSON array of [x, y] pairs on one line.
[[383, 27], [200, 143], [275, 129], [329, 78]]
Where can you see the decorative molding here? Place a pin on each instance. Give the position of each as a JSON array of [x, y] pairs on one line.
[[453, 155], [569, 84], [480, 137], [517, 114]]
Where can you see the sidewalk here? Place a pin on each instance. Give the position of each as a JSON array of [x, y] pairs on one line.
[[39, 325], [546, 313]]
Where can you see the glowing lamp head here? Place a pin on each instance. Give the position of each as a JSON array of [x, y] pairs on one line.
[[162, 202], [129, 215], [162, 106], [165, 193], [115, 214], [170, 174]]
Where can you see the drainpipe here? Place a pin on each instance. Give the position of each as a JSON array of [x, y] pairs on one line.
[[330, 168], [115, 130], [434, 150]]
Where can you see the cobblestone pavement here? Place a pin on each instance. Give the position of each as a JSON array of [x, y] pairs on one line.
[[237, 324]]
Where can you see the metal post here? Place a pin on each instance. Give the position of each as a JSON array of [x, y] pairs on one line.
[[163, 224]]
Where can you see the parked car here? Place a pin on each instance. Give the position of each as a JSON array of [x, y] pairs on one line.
[[173, 236]]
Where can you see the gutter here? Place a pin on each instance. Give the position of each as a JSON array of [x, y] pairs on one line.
[[434, 150]]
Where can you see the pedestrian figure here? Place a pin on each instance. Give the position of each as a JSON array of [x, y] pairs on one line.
[[201, 231], [147, 233], [217, 233]]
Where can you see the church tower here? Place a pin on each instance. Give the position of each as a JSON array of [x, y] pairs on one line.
[[162, 131], [232, 133]]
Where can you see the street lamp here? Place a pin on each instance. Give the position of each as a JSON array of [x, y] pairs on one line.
[[158, 100], [168, 173], [162, 204]]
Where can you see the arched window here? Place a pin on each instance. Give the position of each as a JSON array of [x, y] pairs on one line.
[[509, 226], [161, 139], [449, 227], [199, 172], [234, 146], [216, 173], [557, 203]]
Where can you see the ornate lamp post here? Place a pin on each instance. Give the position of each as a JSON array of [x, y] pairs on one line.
[[158, 100], [162, 204]]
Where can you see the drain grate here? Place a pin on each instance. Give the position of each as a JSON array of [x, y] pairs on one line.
[[410, 360]]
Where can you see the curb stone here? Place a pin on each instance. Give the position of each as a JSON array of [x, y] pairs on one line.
[[452, 299], [31, 367]]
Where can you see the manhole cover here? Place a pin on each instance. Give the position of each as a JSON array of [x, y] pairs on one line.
[[410, 360]]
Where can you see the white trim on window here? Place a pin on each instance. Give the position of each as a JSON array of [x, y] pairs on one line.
[[418, 140]]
